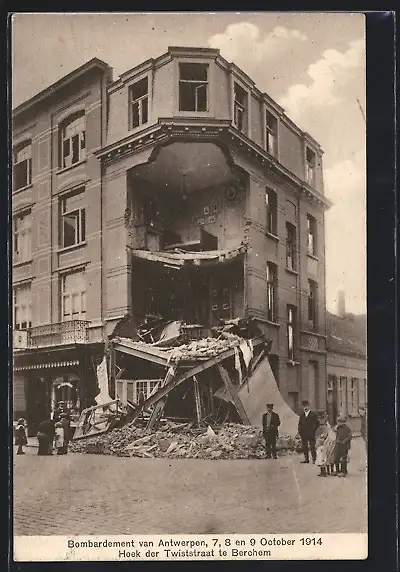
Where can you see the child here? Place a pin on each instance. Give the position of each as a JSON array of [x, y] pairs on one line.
[[59, 438], [20, 436], [325, 446], [342, 446]]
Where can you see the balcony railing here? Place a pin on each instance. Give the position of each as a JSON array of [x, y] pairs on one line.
[[63, 333]]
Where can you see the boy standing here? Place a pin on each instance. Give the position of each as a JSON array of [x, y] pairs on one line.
[[342, 445]]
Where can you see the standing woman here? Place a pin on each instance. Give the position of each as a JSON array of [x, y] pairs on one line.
[[45, 436]]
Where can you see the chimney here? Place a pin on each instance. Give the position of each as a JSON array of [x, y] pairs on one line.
[[341, 303]]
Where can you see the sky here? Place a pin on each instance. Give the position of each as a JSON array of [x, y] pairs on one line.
[[312, 64]]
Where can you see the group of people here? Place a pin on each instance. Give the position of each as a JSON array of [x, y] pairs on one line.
[[53, 434], [329, 446]]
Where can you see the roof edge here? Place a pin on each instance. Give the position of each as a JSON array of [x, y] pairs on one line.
[[65, 80]]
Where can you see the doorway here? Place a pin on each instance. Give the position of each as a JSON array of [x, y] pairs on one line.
[[37, 409], [332, 399]]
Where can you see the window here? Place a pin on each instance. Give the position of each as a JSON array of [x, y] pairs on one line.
[[271, 135], [193, 87], [240, 105], [343, 395], [73, 292], [22, 165], [73, 220], [272, 209], [312, 303], [310, 166], [271, 291], [128, 390], [139, 103], [291, 331], [353, 401], [73, 140], [22, 245], [146, 387], [291, 262], [312, 235], [22, 307]]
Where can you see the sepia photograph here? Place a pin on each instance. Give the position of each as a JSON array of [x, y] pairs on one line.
[[188, 196]]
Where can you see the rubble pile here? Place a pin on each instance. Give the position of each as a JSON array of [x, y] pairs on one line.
[[205, 348], [173, 440]]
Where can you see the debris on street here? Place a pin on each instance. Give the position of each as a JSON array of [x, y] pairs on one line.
[[183, 440]]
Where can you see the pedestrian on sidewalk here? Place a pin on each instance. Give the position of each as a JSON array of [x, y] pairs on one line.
[[20, 436], [270, 423], [307, 427], [66, 425], [325, 443], [59, 410], [45, 436], [342, 446], [59, 438]]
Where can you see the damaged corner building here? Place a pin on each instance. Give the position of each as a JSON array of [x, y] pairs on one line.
[[171, 256]]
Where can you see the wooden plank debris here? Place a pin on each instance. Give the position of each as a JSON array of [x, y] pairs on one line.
[[232, 392]]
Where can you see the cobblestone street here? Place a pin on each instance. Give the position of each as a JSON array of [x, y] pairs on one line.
[[93, 494]]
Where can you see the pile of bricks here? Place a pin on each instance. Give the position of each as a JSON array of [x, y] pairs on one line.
[[172, 440]]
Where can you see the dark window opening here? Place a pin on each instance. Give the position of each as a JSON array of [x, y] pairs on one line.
[[312, 235], [139, 103], [22, 165], [312, 303], [310, 166], [240, 108], [73, 140], [271, 208], [291, 262], [193, 87], [291, 331], [271, 134], [271, 292], [73, 221]]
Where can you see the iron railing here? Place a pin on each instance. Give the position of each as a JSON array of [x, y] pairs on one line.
[[62, 333]]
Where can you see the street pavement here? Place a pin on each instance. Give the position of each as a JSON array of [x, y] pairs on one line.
[[98, 495]]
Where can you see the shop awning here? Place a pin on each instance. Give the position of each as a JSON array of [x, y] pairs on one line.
[[47, 365], [179, 258]]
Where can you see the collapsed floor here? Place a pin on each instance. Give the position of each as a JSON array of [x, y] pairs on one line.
[[207, 402], [184, 440]]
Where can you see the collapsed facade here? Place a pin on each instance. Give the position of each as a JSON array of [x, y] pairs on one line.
[[177, 194]]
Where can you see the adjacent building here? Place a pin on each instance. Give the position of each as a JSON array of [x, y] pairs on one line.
[[346, 365], [183, 153]]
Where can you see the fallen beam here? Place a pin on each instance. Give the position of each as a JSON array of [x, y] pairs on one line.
[[141, 353]]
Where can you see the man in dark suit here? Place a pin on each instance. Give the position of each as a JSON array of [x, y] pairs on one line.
[[308, 425], [270, 423]]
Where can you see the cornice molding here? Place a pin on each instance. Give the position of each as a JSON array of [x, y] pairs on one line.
[[218, 131]]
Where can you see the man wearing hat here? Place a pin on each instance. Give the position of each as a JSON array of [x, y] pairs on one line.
[[61, 408], [342, 445], [270, 423], [307, 428]]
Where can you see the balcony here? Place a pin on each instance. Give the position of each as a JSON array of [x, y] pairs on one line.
[[59, 334]]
